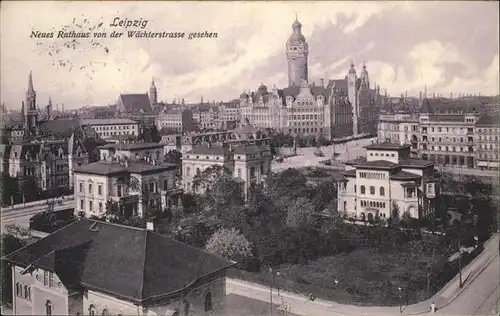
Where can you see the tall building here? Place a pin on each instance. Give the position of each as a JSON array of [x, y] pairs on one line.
[[153, 95], [297, 52], [335, 109]]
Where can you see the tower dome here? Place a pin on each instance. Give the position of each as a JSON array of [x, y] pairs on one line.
[[297, 37], [297, 51], [352, 70]]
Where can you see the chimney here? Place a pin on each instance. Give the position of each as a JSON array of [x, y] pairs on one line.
[[150, 226], [322, 82]]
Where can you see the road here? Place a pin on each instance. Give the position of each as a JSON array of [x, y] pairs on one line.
[[479, 295], [306, 158], [21, 215]]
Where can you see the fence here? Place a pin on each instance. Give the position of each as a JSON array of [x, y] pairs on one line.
[[40, 202]]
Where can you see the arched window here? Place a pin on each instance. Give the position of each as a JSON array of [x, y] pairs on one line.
[[92, 310], [18, 289], [372, 190], [188, 171], [48, 308], [382, 191], [105, 312], [208, 302], [363, 190], [345, 206], [27, 292]]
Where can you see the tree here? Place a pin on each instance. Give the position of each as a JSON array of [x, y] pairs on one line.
[[395, 213], [229, 244], [9, 244], [287, 186], [301, 213], [173, 156]]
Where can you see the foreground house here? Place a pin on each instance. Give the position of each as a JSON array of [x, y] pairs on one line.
[[388, 177], [97, 268]]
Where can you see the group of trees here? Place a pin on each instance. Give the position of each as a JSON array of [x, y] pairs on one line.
[[280, 139]]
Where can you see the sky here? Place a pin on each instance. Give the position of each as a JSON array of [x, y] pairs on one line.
[[450, 47]]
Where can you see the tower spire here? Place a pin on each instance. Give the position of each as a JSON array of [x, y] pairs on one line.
[[30, 83]]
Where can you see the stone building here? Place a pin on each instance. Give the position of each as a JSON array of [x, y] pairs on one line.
[[246, 154], [486, 141], [110, 128], [338, 108], [114, 180], [387, 176], [97, 268]]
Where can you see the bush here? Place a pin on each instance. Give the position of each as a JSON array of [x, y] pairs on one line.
[[49, 222]]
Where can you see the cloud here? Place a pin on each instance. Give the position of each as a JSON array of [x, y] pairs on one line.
[[405, 46]]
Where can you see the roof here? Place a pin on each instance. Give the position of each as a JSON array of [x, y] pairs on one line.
[[356, 161], [133, 146], [109, 168], [249, 149], [404, 175], [350, 173], [62, 127], [127, 262], [107, 121], [377, 164], [136, 102], [295, 90], [488, 120], [387, 146], [447, 118], [205, 149], [412, 162]]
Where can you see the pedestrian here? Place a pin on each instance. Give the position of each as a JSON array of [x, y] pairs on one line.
[[433, 308]]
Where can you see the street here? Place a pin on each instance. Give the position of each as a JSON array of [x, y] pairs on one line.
[[21, 215]]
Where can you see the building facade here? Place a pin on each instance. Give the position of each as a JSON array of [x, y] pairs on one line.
[[340, 108], [110, 128], [82, 270], [175, 120], [446, 137], [247, 156], [385, 180], [486, 141], [118, 181]]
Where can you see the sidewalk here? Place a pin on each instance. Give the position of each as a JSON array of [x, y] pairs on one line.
[[300, 304]]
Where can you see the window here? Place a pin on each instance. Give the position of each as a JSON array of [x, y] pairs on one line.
[[354, 188], [208, 302], [99, 189], [27, 292], [198, 171], [82, 205], [45, 278], [372, 190], [51, 279], [239, 173], [188, 171], [18, 289], [119, 190], [91, 204], [92, 310], [363, 189], [48, 308], [382, 191], [100, 207], [81, 187], [90, 188]]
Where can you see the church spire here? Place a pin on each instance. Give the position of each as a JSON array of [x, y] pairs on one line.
[[30, 84]]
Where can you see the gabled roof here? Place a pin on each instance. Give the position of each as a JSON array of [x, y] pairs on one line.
[[130, 263], [134, 103]]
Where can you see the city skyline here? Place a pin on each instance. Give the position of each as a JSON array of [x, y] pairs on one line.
[[405, 46]]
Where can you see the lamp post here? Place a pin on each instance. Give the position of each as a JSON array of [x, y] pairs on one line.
[[271, 293], [400, 300], [277, 284]]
